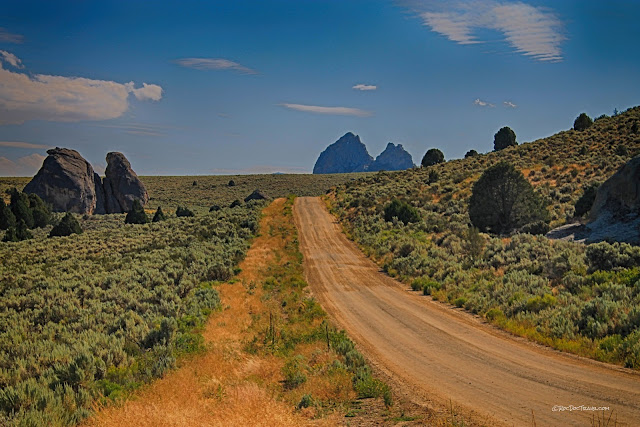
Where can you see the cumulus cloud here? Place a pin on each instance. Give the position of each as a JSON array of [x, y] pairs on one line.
[[13, 60], [481, 103], [365, 87], [25, 97], [532, 31], [341, 111], [18, 144], [509, 104], [8, 37], [24, 166], [214, 64]]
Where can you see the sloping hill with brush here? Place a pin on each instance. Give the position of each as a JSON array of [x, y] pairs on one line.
[[582, 299]]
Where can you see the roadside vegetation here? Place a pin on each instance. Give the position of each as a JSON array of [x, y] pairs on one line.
[[583, 299]]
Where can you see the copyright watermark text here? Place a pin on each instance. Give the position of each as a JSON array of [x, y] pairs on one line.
[[571, 408]]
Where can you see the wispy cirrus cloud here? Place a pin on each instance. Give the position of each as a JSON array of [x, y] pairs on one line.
[[19, 144], [532, 31], [340, 111], [364, 87], [8, 37], [481, 103], [26, 97], [214, 64], [509, 104]]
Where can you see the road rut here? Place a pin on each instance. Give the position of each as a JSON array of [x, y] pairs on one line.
[[440, 354]]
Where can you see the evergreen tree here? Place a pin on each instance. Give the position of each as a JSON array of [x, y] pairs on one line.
[[7, 218], [432, 157], [66, 227], [502, 200], [136, 215], [11, 235], [504, 138], [40, 211], [20, 208], [401, 210], [159, 215], [585, 202], [22, 231], [470, 153], [582, 122]]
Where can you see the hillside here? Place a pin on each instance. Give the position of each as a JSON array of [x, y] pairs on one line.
[[548, 291]]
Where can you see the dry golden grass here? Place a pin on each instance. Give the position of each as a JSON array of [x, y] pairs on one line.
[[225, 385]]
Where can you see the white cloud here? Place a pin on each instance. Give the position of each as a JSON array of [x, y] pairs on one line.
[[481, 103], [214, 64], [509, 104], [151, 92], [533, 31], [8, 37], [13, 60], [66, 99], [364, 87], [341, 111], [24, 166]]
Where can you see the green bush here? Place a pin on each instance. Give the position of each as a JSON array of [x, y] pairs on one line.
[[503, 200], [401, 210], [470, 153], [67, 226], [184, 212], [7, 218], [582, 122], [504, 138], [136, 215], [159, 215], [432, 157], [293, 372], [585, 202], [607, 256]]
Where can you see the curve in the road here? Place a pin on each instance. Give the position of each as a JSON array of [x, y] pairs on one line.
[[446, 354]]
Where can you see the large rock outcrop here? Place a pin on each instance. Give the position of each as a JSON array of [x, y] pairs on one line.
[[615, 214], [69, 184], [348, 154], [393, 158], [121, 185], [66, 181]]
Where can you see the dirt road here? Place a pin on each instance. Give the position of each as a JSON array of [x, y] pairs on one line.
[[439, 354]]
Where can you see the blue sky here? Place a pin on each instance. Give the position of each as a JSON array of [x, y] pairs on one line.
[[224, 87]]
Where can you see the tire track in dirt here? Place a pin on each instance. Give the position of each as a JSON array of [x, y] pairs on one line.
[[439, 355]]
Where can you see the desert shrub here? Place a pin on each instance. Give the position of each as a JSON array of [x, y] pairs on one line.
[[67, 226], [401, 210], [159, 215], [293, 372], [183, 211], [433, 156], [607, 256], [504, 138], [539, 303], [585, 202], [622, 150], [433, 176], [214, 208], [582, 122], [231, 183], [503, 200], [537, 227], [136, 215], [235, 204]]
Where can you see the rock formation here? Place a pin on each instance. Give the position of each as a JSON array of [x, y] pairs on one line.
[[393, 158], [256, 195], [66, 181], [348, 154], [121, 185], [615, 214], [69, 184]]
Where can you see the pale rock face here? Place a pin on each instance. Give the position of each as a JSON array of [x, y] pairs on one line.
[[69, 184], [66, 182], [121, 184]]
